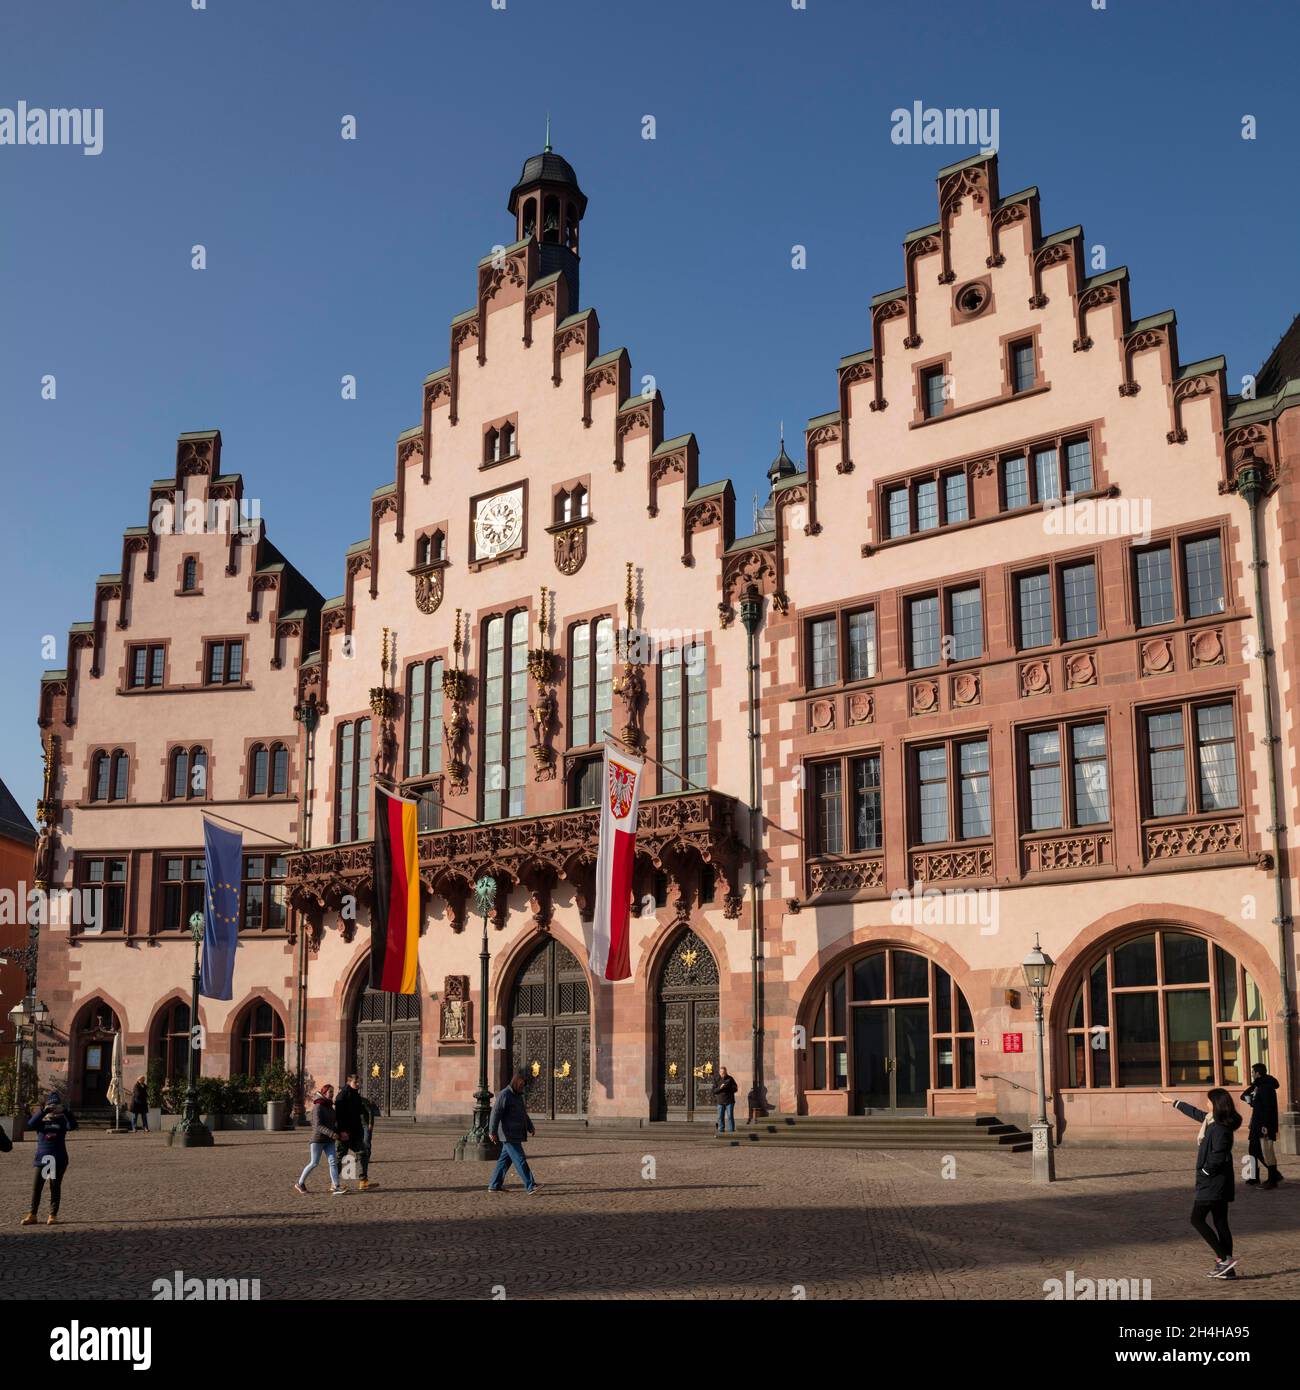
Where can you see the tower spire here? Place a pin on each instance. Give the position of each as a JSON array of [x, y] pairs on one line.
[[548, 133]]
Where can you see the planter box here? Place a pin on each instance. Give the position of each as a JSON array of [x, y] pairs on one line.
[[213, 1122], [243, 1121], [155, 1118]]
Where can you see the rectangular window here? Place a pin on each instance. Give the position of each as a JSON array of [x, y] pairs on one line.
[[591, 677], [927, 505], [1216, 754], [1203, 576], [1022, 366], [828, 789], [925, 629], [932, 794], [900, 514], [1034, 609], [684, 717], [1166, 767], [265, 902], [1091, 776], [1155, 586], [106, 881], [1078, 466], [1044, 751], [975, 814], [965, 616], [1047, 474], [146, 667], [862, 645], [505, 713], [865, 829], [352, 782], [225, 663], [424, 718], [1015, 483], [1079, 600], [428, 808], [933, 383], [823, 638], [955, 504], [182, 892]]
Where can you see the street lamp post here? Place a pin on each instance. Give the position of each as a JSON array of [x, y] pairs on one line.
[[477, 1143], [1038, 967], [192, 1133], [27, 1019]]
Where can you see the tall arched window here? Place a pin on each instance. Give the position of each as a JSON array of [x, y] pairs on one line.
[[121, 775], [258, 762], [352, 781], [507, 441], [591, 682], [189, 773], [279, 769], [530, 218], [491, 447], [171, 1041], [190, 575], [259, 1040], [100, 767], [505, 715], [1166, 1008], [423, 550]]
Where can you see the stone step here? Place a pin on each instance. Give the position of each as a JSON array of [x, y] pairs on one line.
[[1016, 1143]]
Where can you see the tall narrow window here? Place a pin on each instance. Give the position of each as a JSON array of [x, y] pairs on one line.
[[279, 770], [823, 641], [1216, 752], [683, 717], [180, 774], [1203, 576], [507, 441], [1045, 780], [1155, 586], [189, 574], [100, 769], [1166, 767], [591, 682], [933, 394], [900, 515], [975, 814], [1078, 465], [865, 826], [956, 507], [258, 770], [862, 645], [926, 632], [1091, 777], [1034, 609], [927, 505], [828, 789], [1047, 474], [1015, 483], [182, 892], [967, 624], [932, 788], [424, 717], [352, 782], [1079, 600], [1022, 366], [505, 721], [121, 775]]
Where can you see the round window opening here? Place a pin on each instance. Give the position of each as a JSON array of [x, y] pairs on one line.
[[972, 298]]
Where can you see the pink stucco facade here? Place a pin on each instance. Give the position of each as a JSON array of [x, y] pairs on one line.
[[533, 475]]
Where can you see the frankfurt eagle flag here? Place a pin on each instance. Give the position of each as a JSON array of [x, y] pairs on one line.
[[620, 797], [395, 919]]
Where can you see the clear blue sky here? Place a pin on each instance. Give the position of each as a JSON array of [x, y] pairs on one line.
[[221, 127]]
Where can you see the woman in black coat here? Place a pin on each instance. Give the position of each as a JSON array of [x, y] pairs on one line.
[[1215, 1186], [140, 1105]]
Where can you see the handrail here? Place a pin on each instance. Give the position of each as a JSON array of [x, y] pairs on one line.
[[1015, 1085]]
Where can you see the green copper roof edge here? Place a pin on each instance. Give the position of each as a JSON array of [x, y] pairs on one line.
[[52, 675], [751, 542], [888, 295], [831, 417], [868, 355], [505, 251], [1067, 234], [1153, 321], [1206, 364], [678, 441], [433, 376], [968, 163], [710, 490]]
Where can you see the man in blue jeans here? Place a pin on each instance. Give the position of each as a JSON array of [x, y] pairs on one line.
[[510, 1120], [725, 1095]]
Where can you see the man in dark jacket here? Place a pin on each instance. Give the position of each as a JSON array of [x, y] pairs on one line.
[[510, 1121], [724, 1095], [51, 1123], [355, 1114], [1261, 1096]]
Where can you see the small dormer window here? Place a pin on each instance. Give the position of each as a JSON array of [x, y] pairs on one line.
[[439, 545], [190, 575], [423, 550]]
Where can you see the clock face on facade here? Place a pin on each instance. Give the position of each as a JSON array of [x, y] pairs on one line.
[[498, 524]]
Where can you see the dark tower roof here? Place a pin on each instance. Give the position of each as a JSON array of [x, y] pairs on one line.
[[548, 167], [783, 466]]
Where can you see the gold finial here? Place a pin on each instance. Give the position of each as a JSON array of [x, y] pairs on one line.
[[383, 659], [541, 617], [628, 601], [455, 643]]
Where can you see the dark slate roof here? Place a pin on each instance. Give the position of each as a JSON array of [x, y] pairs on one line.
[[551, 168], [782, 466], [1283, 363], [14, 824]]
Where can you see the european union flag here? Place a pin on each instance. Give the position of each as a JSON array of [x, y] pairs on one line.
[[223, 858]]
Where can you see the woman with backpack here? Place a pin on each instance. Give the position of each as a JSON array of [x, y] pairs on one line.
[[1215, 1186], [324, 1140]]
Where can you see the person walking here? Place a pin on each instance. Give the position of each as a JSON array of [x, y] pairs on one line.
[[51, 1122], [1214, 1180], [1261, 1096], [356, 1124], [510, 1119], [140, 1105], [324, 1140], [724, 1093]]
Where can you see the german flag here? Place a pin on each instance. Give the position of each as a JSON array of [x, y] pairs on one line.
[[395, 920]]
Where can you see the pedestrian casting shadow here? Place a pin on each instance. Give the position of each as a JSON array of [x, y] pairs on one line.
[[1132, 1173]]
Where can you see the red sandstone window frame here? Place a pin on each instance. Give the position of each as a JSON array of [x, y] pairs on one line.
[[943, 592], [508, 618], [1064, 729], [911, 483], [190, 885], [227, 646], [261, 885], [155, 666], [952, 745], [1177, 540], [1028, 450], [244, 1037], [500, 441], [1186, 707], [813, 837], [120, 888], [925, 371], [271, 748], [355, 816], [594, 682], [191, 752], [117, 762], [1054, 566], [1028, 337], [430, 724]]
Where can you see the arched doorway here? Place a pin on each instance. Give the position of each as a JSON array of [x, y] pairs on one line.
[[550, 1031], [687, 1004], [888, 1026], [93, 1053], [386, 1048]]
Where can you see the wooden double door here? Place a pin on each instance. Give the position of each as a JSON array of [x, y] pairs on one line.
[[386, 1045], [550, 1032]]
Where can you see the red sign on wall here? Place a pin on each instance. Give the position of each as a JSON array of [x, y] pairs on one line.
[[1013, 1042]]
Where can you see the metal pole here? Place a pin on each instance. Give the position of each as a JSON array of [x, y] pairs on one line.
[[192, 1133], [751, 615], [1044, 1155], [477, 1142]]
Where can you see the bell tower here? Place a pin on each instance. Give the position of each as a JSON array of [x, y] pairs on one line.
[[547, 206]]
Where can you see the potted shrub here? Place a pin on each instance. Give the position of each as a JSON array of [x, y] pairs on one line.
[[242, 1103], [212, 1101], [277, 1089]]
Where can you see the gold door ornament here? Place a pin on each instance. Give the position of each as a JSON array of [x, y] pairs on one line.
[[374, 1069], [563, 1070], [398, 1072], [704, 1071], [536, 1069], [672, 1068]]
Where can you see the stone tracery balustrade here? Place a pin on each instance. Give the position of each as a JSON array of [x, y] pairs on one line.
[[1076, 850], [1195, 838], [531, 851], [846, 875]]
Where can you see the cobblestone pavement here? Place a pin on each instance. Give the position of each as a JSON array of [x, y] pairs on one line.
[[740, 1223]]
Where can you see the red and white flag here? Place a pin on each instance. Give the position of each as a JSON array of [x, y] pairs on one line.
[[620, 798]]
